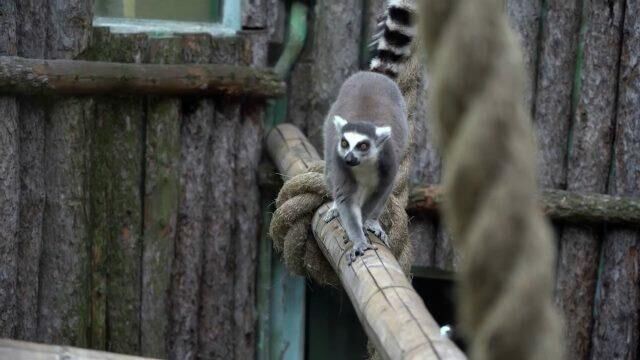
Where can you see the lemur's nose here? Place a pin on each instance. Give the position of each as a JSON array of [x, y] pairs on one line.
[[351, 160]]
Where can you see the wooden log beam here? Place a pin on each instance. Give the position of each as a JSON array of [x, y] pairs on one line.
[[557, 204], [75, 77], [391, 312], [21, 350]]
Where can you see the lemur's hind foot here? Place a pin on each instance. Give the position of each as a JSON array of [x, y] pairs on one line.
[[359, 249], [374, 227]]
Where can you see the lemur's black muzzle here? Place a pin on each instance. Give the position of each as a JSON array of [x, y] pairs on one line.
[[351, 160]]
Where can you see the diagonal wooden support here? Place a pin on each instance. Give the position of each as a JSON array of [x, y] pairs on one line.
[[391, 312], [22, 350]]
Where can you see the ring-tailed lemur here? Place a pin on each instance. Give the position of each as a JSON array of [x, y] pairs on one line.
[[365, 137], [394, 38]]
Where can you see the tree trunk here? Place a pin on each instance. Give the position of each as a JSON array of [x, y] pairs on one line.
[[616, 326], [9, 182]]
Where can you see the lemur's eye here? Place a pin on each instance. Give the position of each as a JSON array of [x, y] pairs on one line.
[[344, 143], [363, 146]]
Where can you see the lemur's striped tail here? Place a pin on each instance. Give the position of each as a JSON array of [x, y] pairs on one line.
[[392, 43]]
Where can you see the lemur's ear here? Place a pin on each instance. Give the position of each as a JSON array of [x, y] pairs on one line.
[[382, 134], [339, 122]]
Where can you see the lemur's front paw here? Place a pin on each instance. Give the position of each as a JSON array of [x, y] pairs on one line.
[[358, 250], [374, 227], [330, 214]]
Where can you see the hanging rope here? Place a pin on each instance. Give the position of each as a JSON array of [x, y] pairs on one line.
[[505, 290]]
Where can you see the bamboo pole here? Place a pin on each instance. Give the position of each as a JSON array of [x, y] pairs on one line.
[[76, 77], [557, 204], [21, 350], [391, 312]]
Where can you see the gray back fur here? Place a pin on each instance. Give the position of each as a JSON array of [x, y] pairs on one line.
[[366, 97]]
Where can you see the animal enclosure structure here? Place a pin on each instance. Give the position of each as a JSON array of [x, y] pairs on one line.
[[133, 219]]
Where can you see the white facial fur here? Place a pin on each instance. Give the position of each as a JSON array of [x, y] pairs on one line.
[[354, 139]]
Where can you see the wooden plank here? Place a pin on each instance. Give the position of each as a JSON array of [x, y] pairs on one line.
[[20, 350], [162, 156], [196, 130], [389, 309], [588, 168], [76, 77], [31, 43], [525, 19], [9, 183], [556, 73], [616, 324]]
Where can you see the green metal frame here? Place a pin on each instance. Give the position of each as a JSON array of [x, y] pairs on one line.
[[281, 296]]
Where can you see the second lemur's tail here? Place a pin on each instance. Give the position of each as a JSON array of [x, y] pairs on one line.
[[392, 43]]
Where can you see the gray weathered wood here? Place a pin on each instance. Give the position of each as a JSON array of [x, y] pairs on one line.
[[616, 332], [556, 73], [63, 296], [525, 19], [588, 168], [254, 14], [160, 206], [196, 130], [31, 37], [76, 77], [9, 182], [20, 350]]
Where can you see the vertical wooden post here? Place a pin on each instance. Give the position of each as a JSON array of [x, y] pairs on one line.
[[162, 157], [616, 331], [31, 44], [588, 168], [64, 275], [9, 183]]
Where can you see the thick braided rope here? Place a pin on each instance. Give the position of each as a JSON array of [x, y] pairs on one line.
[[299, 199], [505, 291]]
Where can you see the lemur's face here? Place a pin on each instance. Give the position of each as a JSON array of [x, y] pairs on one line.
[[360, 142]]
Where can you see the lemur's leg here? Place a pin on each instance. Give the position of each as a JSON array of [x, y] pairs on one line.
[[351, 218], [372, 223], [331, 214]]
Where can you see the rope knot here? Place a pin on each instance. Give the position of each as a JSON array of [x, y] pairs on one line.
[[290, 229]]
